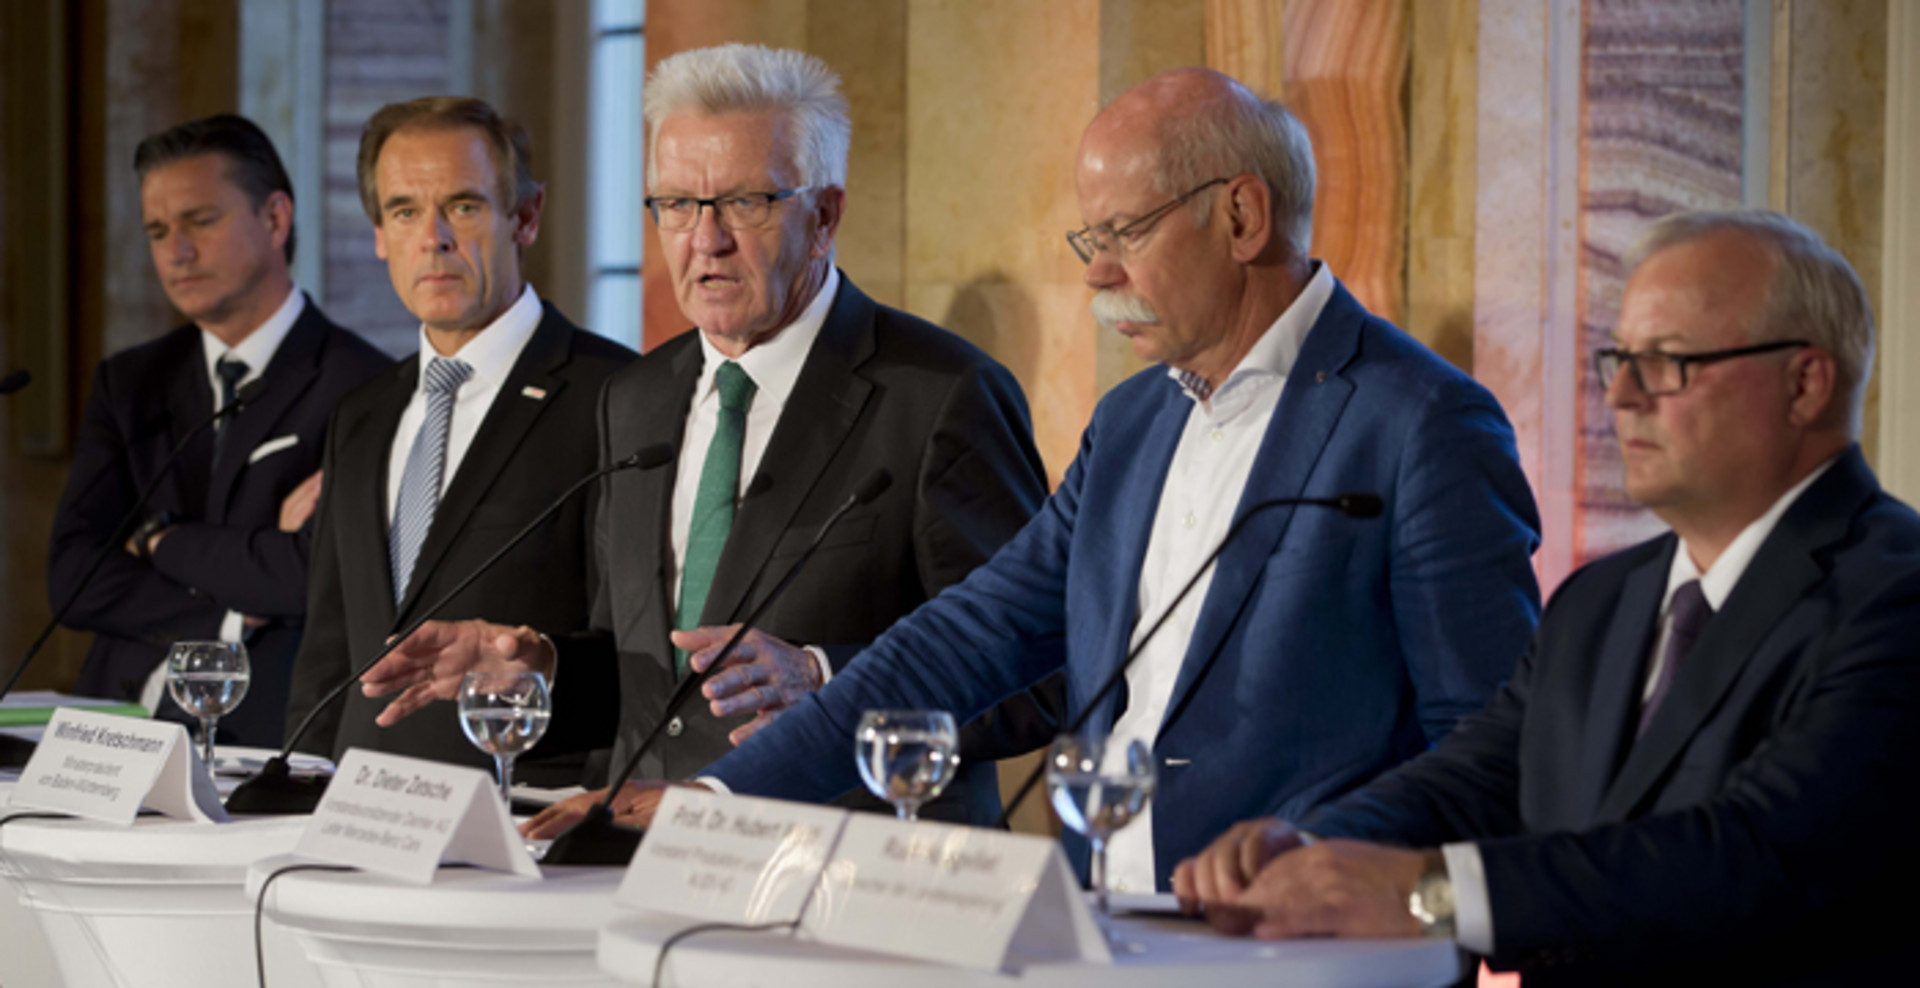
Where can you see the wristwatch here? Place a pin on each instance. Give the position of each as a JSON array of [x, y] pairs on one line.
[[1432, 900]]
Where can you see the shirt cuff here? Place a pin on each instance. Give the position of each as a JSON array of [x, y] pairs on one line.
[[713, 783], [1472, 913], [233, 627], [554, 676], [820, 658]]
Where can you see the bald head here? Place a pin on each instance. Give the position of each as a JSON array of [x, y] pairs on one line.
[[1188, 126]]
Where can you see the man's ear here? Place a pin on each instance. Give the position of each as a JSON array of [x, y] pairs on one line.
[[1812, 380], [829, 206], [278, 210], [1249, 206], [526, 219]]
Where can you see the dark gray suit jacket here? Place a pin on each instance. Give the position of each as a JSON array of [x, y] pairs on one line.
[[537, 438], [879, 389], [227, 552], [1758, 829]]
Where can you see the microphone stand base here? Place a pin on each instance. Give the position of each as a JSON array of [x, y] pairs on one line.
[[595, 840], [275, 791], [14, 751]]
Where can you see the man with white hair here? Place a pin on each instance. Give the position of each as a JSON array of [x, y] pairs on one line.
[[1701, 772], [1321, 649], [796, 388]]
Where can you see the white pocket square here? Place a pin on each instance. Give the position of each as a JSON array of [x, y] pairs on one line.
[[271, 447]]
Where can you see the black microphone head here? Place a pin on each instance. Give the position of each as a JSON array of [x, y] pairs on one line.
[[1356, 504], [875, 485], [247, 395], [15, 381], [648, 457]]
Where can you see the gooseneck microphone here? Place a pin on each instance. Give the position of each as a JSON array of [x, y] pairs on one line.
[[14, 753], [596, 839], [274, 790], [15, 381], [1352, 505]]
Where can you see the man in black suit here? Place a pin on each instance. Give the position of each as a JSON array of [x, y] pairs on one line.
[[222, 552], [796, 388], [1701, 771], [432, 467]]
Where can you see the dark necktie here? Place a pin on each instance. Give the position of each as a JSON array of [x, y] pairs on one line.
[[230, 370], [1690, 612], [713, 501]]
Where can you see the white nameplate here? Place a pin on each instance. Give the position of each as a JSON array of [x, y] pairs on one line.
[[730, 858], [108, 767], [966, 896], [405, 816]]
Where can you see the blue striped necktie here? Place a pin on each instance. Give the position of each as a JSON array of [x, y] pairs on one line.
[[426, 463]]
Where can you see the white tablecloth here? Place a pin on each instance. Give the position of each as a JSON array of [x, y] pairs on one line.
[[162, 903], [25, 959], [466, 927], [1178, 953]]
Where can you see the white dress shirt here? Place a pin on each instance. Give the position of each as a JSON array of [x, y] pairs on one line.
[[1202, 490], [1473, 913], [492, 355], [774, 367]]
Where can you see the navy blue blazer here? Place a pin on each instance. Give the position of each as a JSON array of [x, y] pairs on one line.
[[227, 553], [1328, 649], [1754, 833]]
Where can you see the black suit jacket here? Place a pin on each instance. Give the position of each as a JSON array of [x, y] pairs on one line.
[[530, 447], [879, 389], [1757, 830], [228, 553]]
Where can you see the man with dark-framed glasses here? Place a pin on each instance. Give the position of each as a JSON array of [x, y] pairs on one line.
[[1700, 772], [795, 388]]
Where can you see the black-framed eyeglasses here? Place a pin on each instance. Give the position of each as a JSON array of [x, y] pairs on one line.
[[1090, 242], [1658, 373], [739, 211]]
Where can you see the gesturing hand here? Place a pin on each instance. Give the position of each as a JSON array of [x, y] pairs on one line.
[[429, 664], [763, 676]]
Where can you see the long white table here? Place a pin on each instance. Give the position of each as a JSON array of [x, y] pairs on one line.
[[466, 927], [25, 959], [1178, 952]]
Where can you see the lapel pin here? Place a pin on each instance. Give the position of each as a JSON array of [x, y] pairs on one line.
[[537, 394]]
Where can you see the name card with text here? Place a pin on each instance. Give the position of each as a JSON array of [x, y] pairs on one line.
[[966, 896], [405, 817], [110, 767], [730, 858]]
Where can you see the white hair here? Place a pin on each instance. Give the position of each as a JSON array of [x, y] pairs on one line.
[[1236, 134], [733, 78], [1814, 294]]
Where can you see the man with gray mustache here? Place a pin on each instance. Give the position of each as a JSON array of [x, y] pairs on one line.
[[1319, 650]]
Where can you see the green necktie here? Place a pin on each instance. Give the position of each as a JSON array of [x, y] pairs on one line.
[[713, 502]]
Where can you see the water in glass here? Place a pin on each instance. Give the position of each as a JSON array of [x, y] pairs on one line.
[[504, 713], [208, 680], [907, 757]]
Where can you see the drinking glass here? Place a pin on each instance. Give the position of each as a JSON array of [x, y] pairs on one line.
[[907, 756], [504, 713], [207, 679], [1098, 786]]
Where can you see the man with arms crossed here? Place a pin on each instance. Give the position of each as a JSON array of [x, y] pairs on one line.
[[433, 466], [1702, 771], [796, 388], [222, 551], [1323, 649]]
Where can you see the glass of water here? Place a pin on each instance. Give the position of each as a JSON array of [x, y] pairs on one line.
[[907, 756], [504, 713], [1098, 786], [208, 679]]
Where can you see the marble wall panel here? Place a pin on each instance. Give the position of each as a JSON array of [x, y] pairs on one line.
[[1441, 129], [1662, 95]]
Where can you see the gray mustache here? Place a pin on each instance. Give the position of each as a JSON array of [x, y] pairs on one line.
[[1111, 308]]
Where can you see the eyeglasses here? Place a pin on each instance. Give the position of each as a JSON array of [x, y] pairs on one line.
[[1659, 373], [740, 211], [1090, 242]]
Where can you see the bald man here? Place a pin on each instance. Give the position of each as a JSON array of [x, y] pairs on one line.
[[1320, 650]]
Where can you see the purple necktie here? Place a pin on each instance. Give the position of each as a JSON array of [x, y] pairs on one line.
[[1690, 613]]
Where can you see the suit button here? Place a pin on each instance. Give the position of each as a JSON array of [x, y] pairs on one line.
[[674, 727]]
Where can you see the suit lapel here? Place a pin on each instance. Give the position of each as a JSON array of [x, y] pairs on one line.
[[662, 420], [1613, 703], [361, 508], [294, 367], [501, 432], [1310, 407], [826, 400], [1781, 573]]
